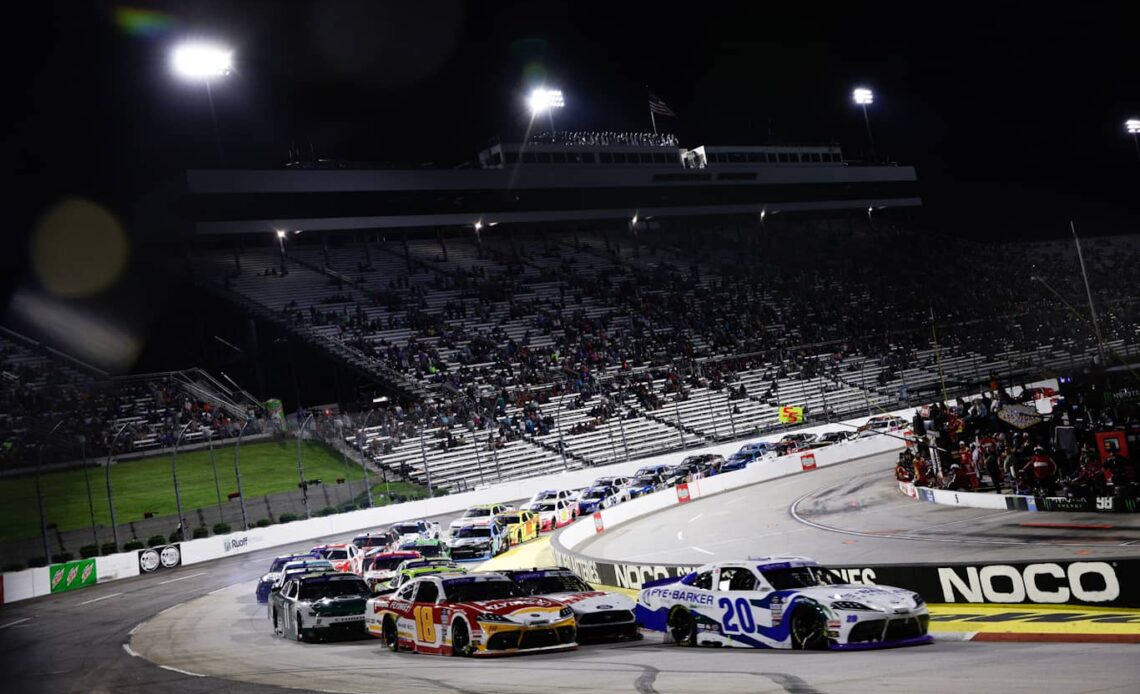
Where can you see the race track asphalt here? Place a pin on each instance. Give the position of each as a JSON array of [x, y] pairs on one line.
[[202, 624]]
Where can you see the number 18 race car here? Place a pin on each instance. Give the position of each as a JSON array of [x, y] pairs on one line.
[[477, 614], [780, 602]]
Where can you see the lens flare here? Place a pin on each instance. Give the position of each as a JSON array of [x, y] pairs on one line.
[[78, 249], [135, 21]]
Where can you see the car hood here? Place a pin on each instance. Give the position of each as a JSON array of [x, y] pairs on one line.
[[478, 521], [883, 598], [520, 608], [593, 601], [468, 541]]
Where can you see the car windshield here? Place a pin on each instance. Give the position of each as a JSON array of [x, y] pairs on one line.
[[595, 494], [644, 482], [334, 554], [470, 590], [308, 566], [383, 563], [548, 506], [544, 584], [473, 532], [319, 590], [477, 512], [371, 541], [279, 563], [407, 529], [512, 518], [799, 577]]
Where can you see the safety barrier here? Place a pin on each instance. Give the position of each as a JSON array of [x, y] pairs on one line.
[[1020, 502], [1064, 581], [30, 583]]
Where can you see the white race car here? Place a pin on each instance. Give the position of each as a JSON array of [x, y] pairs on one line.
[[780, 602], [600, 615], [410, 531]]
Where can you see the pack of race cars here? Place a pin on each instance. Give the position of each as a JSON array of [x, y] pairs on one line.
[[407, 585]]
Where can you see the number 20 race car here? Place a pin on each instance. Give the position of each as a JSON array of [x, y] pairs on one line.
[[780, 602]]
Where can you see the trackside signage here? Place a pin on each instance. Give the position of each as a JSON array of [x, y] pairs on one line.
[[73, 575]]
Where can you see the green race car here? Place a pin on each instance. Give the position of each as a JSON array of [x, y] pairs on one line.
[[434, 548], [414, 568]]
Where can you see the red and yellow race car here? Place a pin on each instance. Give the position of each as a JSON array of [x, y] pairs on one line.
[[481, 614]]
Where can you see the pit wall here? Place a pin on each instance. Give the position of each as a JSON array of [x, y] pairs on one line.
[[31, 583], [1019, 502]]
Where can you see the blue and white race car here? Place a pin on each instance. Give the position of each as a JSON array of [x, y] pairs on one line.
[[265, 583], [598, 498], [780, 602]]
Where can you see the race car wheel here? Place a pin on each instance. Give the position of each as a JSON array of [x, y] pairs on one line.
[[391, 640], [460, 640], [298, 632], [682, 627], [808, 628]]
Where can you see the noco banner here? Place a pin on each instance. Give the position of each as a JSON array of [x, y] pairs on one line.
[[73, 575], [1114, 583]]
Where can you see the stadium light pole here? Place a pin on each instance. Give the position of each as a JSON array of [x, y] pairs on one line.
[[237, 473], [39, 491], [863, 97], [543, 100], [110, 493], [87, 483], [281, 245], [214, 467], [197, 61], [301, 465], [364, 459], [174, 474], [1088, 292], [1132, 127]]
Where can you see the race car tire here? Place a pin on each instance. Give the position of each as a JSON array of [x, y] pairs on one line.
[[298, 632], [808, 628], [682, 627], [391, 639], [460, 640]]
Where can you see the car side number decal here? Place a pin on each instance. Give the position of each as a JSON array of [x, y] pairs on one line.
[[742, 610], [425, 624]]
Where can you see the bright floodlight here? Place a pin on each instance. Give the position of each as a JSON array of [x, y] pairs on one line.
[[1132, 125], [543, 99], [202, 61], [478, 226], [863, 96], [280, 233]]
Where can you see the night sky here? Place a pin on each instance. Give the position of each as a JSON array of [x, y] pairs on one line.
[[1013, 114]]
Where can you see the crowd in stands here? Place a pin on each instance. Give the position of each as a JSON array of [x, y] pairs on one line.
[[38, 390], [604, 138], [973, 446]]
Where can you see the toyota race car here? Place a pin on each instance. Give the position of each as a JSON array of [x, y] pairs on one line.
[[548, 495], [555, 513], [645, 484], [312, 605], [478, 614], [297, 567], [780, 602], [600, 616], [415, 530], [378, 540], [265, 583], [380, 566]]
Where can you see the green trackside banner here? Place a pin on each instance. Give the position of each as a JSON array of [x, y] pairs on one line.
[[73, 575]]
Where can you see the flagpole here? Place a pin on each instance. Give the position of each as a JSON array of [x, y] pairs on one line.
[[653, 119]]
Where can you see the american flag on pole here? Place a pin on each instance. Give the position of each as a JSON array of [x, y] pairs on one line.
[[656, 105]]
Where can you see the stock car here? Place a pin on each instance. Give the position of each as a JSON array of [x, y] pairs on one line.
[[644, 484], [780, 602], [522, 525], [882, 423], [555, 513], [377, 540], [481, 614], [707, 464], [598, 498], [310, 606], [830, 438], [345, 557], [655, 469], [380, 566], [549, 495], [429, 549], [599, 615], [414, 568], [265, 583], [308, 565], [415, 530], [474, 542], [619, 483], [480, 514]]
